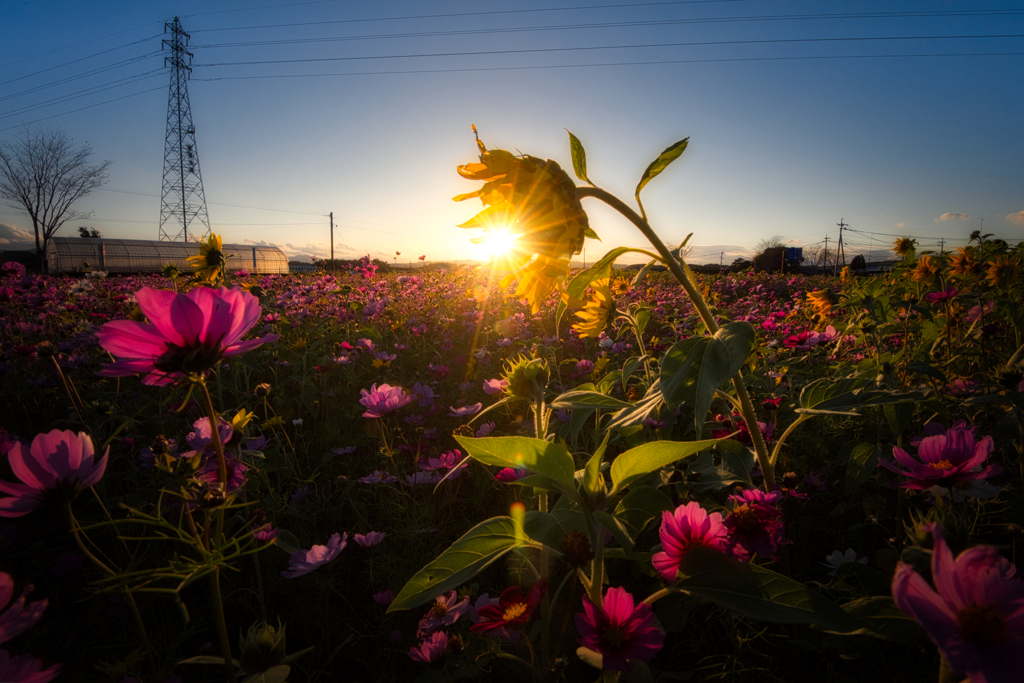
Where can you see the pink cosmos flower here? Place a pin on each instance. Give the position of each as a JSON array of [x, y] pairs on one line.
[[22, 614], [951, 458], [509, 474], [619, 631], [463, 411], [369, 540], [446, 611], [494, 386], [190, 333], [304, 561], [58, 460], [976, 618], [384, 597], [25, 669], [432, 650], [689, 526], [484, 429], [381, 401], [944, 295]]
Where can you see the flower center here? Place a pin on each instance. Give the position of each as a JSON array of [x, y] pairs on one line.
[[514, 611], [746, 520], [614, 635], [187, 360], [439, 611], [982, 626], [941, 465]]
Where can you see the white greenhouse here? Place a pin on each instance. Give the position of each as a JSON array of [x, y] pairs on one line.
[[82, 254]]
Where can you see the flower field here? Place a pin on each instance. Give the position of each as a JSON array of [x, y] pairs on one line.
[[440, 474]]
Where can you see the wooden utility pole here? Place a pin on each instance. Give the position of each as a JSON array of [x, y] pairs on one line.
[[825, 254], [839, 248], [332, 241]]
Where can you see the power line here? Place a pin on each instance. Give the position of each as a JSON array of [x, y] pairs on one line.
[[461, 14], [128, 80], [69, 79], [75, 61], [72, 111], [84, 42], [478, 53], [577, 26]]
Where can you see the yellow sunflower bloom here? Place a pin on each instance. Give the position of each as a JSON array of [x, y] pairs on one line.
[[903, 245], [965, 262], [927, 269], [599, 308], [1003, 269], [211, 263], [537, 200], [621, 287], [822, 300]]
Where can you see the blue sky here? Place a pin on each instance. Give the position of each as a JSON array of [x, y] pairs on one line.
[[795, 120]]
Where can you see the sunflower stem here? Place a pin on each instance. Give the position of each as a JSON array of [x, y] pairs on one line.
[[708, 318]]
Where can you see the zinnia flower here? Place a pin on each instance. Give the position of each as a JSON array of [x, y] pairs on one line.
[[976, 618], [190, 333], [619, 631], [535, 199], [381, 401], [509, 616], [59, 461], [755, 526], [304, 561], [689, 526], [22, 614], [950, 458]]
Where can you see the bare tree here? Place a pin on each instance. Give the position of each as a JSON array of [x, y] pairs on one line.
[[44, 173], [770, 243]]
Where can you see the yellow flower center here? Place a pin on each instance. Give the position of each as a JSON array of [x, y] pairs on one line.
[[940, 465], [514, 611]]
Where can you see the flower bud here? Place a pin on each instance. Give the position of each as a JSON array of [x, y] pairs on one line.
[[263, 647], [527, 378]]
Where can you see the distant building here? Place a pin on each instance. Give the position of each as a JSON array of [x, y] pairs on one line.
[[301, 267], [78, 255]]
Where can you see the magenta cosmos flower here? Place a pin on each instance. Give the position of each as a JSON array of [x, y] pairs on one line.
[[304, 561], [59, 461], [689, 526], [21, 614], [446, 611], [949, 458], [380, 401], [190, 333], [977, 616], [432, 650], [25, 669], [619, 631], [755, 526]]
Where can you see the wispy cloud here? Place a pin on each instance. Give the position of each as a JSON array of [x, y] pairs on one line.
[[13, 238], [1017, 218], [901, 225], [954, 217]]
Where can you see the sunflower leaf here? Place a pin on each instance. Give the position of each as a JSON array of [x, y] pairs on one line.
[[579, 157], [661, 163]]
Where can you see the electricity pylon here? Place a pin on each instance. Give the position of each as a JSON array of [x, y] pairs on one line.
[[183, 215]]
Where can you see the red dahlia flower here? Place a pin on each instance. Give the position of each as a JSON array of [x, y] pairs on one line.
[[510, 614]]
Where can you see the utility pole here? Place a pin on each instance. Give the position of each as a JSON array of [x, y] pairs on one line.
[[182, 197], [825, 254], [942, 246], [871, 247], [332, 241], [721, 260], [839, 248]]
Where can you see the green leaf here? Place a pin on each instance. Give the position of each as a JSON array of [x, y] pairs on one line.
[[593, 481], [899, 417], [760, 593], [640, 410], [480, 547], [672, 153], [927, 370], [823, 396], [695, 368], [885, 618], [630, 366], [587, 399], [275, 674], [650, 457], [579, 157], [638, 508], [536, 455], [862, 464], [286, 541]]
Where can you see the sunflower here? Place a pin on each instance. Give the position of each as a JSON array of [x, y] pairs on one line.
[[537, 200], [600, 307], [927, 268], [964, 262], [211, 263], [620, 287], [822, 300], [903, 245], [1003, 269]]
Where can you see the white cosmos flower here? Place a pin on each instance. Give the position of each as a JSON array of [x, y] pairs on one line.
[[838, 558]]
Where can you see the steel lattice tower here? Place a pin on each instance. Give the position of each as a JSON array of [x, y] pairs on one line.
[[182, 200]]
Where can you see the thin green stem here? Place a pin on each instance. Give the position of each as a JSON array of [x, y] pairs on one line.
[[677, 269], [782, 439], [218, 446], [597, 569], [222, 628]]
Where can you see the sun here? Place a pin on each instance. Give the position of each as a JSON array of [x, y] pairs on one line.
[[498, 242]]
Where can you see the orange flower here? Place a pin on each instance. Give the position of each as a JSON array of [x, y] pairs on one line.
[[537, 200], [822, 300]]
